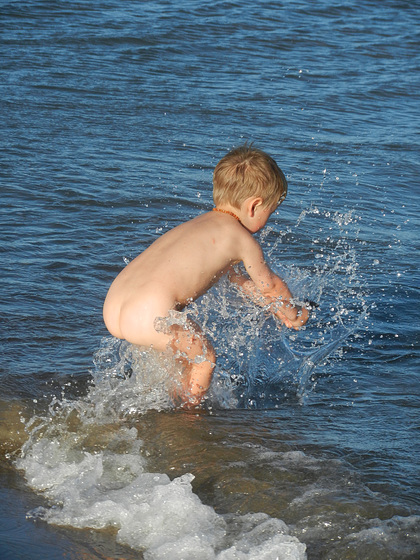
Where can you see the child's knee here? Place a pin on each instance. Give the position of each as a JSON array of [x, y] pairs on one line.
[[192, 343], [203, 351], [210, 353]]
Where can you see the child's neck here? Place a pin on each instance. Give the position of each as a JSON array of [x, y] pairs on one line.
[[227, 212]]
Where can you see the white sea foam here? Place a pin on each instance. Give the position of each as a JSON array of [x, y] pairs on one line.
[[90, 466], [110, 489]]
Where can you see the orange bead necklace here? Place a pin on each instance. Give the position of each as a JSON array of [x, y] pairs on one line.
[[227, 212]]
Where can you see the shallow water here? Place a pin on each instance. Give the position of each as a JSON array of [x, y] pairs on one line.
[[113, 117]]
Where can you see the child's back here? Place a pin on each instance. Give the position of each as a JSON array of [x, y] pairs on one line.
[[176, 269]]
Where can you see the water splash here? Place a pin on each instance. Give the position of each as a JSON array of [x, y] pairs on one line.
[[129, 380], [261, 363]]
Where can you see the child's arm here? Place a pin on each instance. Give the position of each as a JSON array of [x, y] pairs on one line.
[[267, 289], [292, 316]]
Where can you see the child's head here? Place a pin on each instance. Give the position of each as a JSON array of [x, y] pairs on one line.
[[245, 172]]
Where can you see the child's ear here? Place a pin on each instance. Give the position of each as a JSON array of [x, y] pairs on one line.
[[254, 205]]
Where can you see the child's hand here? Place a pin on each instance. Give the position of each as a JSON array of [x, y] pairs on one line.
[[300, 320]]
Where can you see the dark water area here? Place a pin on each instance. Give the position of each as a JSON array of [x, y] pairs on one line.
[[113, 116]]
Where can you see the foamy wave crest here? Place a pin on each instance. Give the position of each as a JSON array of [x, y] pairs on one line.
[[91, 468], [95, 476]]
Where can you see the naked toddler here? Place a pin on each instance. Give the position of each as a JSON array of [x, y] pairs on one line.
[[186, 261]]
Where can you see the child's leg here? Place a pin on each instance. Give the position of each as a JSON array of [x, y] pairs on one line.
[[197, 356], [149, 324]]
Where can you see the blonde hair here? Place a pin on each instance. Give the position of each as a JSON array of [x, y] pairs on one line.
[[244, 172]]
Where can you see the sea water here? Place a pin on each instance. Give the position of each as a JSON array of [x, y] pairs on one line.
[[113, 117]]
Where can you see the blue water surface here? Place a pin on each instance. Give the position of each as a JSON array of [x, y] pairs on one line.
[[113, 116]]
